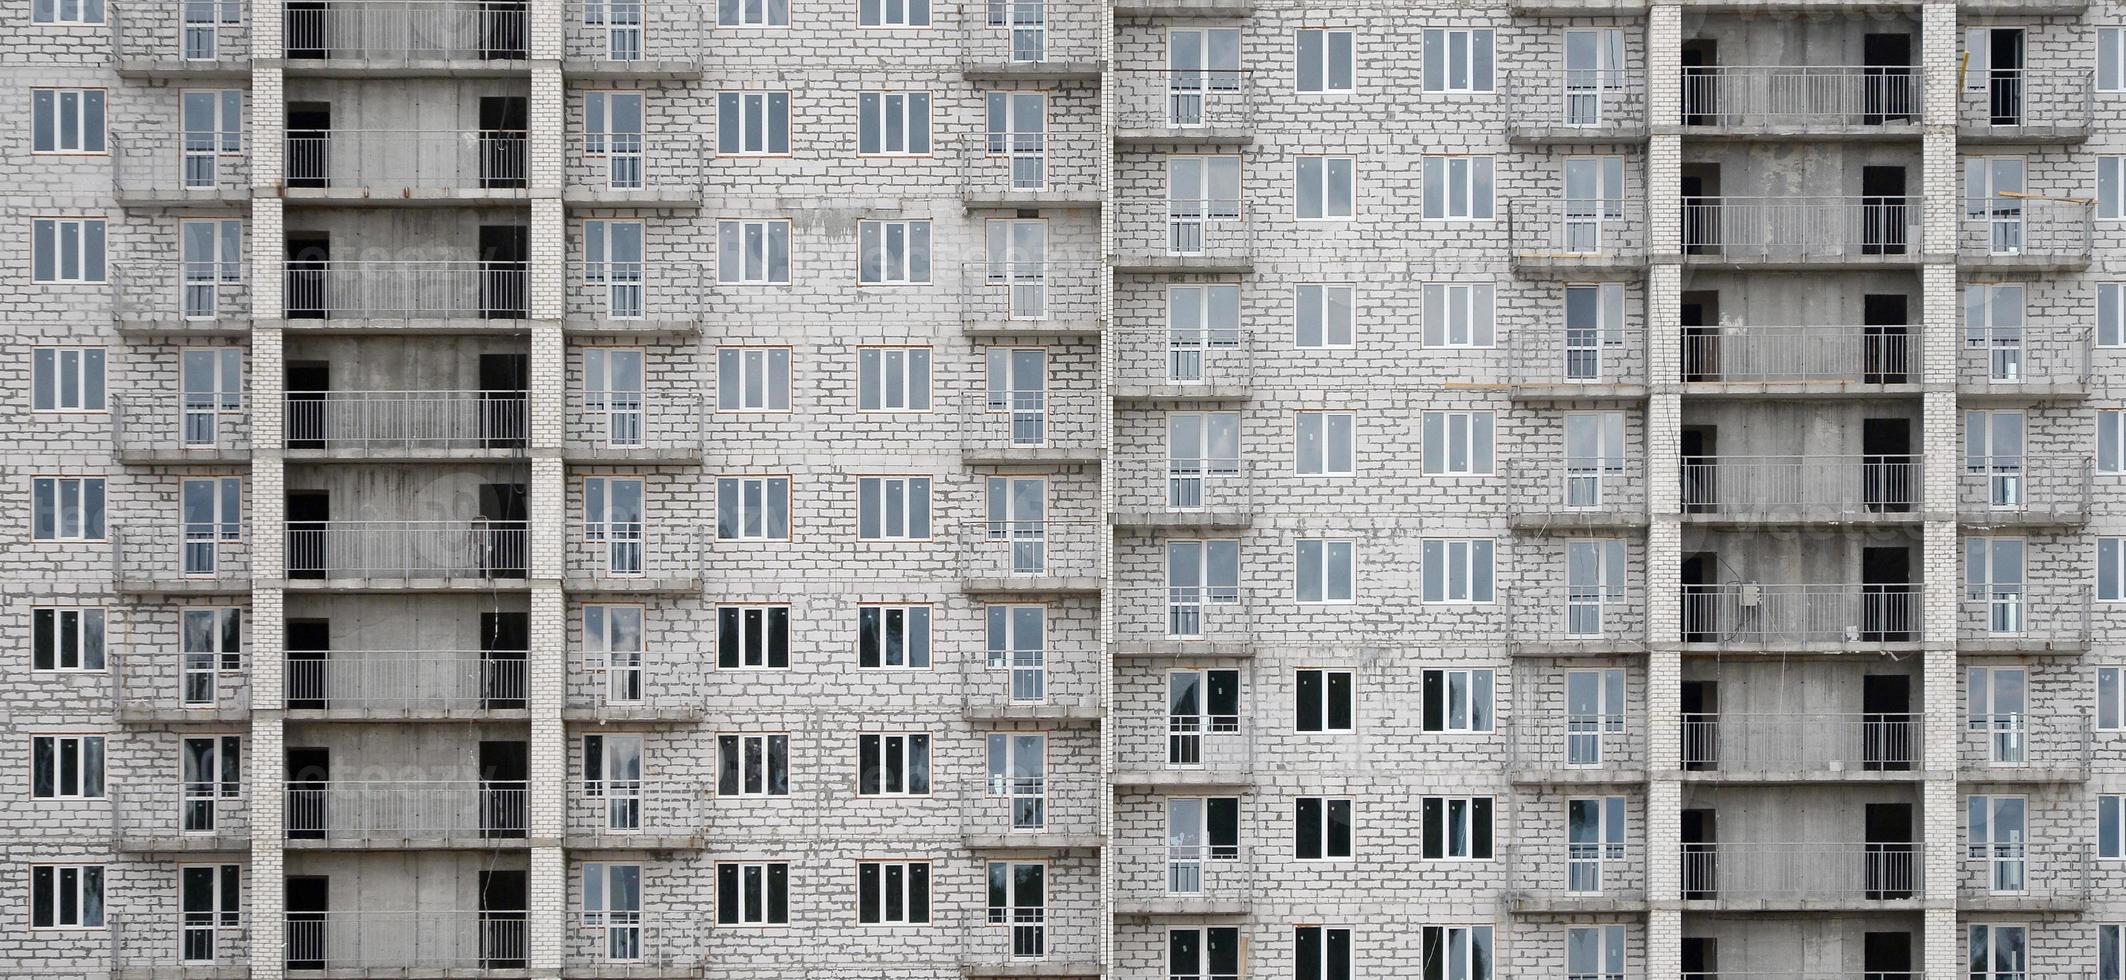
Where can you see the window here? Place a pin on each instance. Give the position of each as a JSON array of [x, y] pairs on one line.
[[612, 903], [1457, 314], [1327, 570], [66, 767], [1321, 829], [753, 379], [1321, 953], [66, 11], [752, 13], [2111, 77], [212, 511], [893, 637], [753, 894], [66, 120], [1999, 952], [612, 772], [892, 253], [893, 379], [893, 124], [893, 13], [1016, 638], [753, 765], [893, 764], [1457, 700], [1213, 953], [612, 128], [1457, 188], [1203, 202], [1993, 328], [2110, 956], [753, 253], [1199, 703], [212, 770], [2111, 699], [1457, 569], [1328, 700], [211, 382], [1458, 443], [893, 892], [1199, 574], [1457, 60], [1594, 833], [209, 641], [66, 896], [66, 379], [1326, 187], [613, 649], [66, 250], [1323, 441], [1594, 953], [1018, 897], [1202, 323], [2110, 188], [66, 508], [613, 516], [1594, 321], [1018, 774], [1456, 952], [1594, 707], [1018, 267], [2110, 828], [66, 638], [1997, 829], [753, 508], [1457, 828], [1323, 315], [893, 508], [1594, 456], [2111, 569], [612, 261], [752, 637], [2111, 313], [212, 121], [211, 255], [210, 898], [1018, 133], [1325, 61]]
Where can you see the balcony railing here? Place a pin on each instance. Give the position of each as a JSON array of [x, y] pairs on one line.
[[629, 31], [1172, 875], [1029, 33], [201, 813], [2013, 102], [1030, 292], [628, 553], [625, 164], [1185, 228], [396, 810], [385, 33], [1802, 742], [625, 942], [1061, 161], [196, 424], [185, 555], [1032, 550], [1800, 485], [639, 290], [1181, 358], [382, 421], [194, 34], [635, 421], [1559, 489], [1599, 616], [429, 939], [1184, 614], [179, 942], [624, 683], [406, 681], [635, 808], [2010, 360], [1159, 740], [1180, 103], [2012, 488], [1576, 229], [204, 165], [1798, 229], [1801, 872], [1760, 616], [201, 292], [1029, 420], [2022, 872], [1208, 485], [387, 161], [410, 290], [1549, 354], [1031, 806], [1585, 871], [407, 549], [2013, 743], [1548, 738], [1752, 96], [2025, 228], [1582, 102], [2014, 615], [164, 681], [1801, 355]]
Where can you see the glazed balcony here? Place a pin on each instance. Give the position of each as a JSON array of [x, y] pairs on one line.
[[1184, 106], [1774, 100], [418, 35], [1787, 616], [363, 550], [1813, 875], [1798, 745], [1569, 237], [2026, 233], [1780, 358], [439, 289], [1800, 488], [196, 428], [405, 166], [405, 683], [412, 813], [405, 424], [1996, 491], [1802, 231], [2025, 105], [1183, 879], [2019, 618], [426, 941], [177, 169], [1575, 105]]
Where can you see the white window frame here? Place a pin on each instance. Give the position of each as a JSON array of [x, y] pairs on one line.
[[1459, 315], [622, 926], [1585, 861], [88, 880], [91, 765], [1465, 204], [894, 380], [1463, 555], [87, 626], [876, 750], [615, 640], [210, 383], [2111, 557], [1322, 180], [1015, 639], [604, 523], [2111, 72], [749, 780], [753, 380], [2111, 311], [1332, 937], [53, 108], [86, 488], [1458, 948], [607, 265], [1329, 45], [225, 910], [751, 655], [67, 13], [735, 266], [54, 371], [1228, 945], [2110, 827], [89, 255], [1478, 49], [917, 625], [754, 910], [199, 669], [1317, 562], [1317, 315], [2110, 187], [1467, 822], [1334, 453], [1328, 700], [912, 517], [753, 13], [2006, 855], [893, 14], [1606, 943], [910, 139], [2111, 698], [1479, 712], [875, 243], [1327, 804], [1478, 432]]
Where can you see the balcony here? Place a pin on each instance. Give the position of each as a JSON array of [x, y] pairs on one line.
[[636, 558], [2018, 366], [2025, 233], [1573, 748], [422, 38], [1572, 237], [2016, 748], [1046, 298], [1784, 489], [634, 426], [179, 39], [407, 813], [449, 554], [1793, 617], [1029, 812], [1587, 877], [182, 429], [1030, 556], [2023, 877], [205, 945], [2021, 105], [1160, 235], [633, 39], [1572, 364], [1781, 747], [1803, 100], [1803, 232], [1559, 106], [2019, 619], [1182, 364], [1182, 621], [202, 558], [1031, 40], [205, 299], [1039, 425], [180, 818], [1801, 876], [1048, 686], [627, 169], [168, 687], [407, 943], [1786, 361], [636, 686], [405, 425], [407, 292], [1206, 493], [1576, 492], [1056, 168], [1035, 941], [1183, 879], [2017, 491], [405, 166], [176, 170], [1184, 108], [633, 814], [405, 684], [1161, 751], [630, 299], [1575, 620], [635, 944]]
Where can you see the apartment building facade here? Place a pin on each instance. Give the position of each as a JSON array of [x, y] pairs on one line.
[[1171, 488]]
